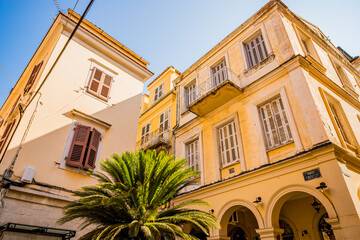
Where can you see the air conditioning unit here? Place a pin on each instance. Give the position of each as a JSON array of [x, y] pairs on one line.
[[28, 174]]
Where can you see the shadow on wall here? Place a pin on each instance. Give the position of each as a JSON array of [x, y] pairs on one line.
[[45, 153]]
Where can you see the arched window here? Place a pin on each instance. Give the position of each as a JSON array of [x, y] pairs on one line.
[[325, 229]]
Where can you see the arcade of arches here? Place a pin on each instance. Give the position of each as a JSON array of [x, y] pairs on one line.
[[299, 216]]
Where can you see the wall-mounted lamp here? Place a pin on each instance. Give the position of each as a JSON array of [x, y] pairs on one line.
[[211, 211], [257, 200], [316, 205], [321, 187], [303, 233]]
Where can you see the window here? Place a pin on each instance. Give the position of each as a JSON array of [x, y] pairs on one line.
[[190, 93], [33, 76], [219, 74], [145, 132], [234, 217], [308, 46], [5, 134], [340, 122], [256, 51], [229, 152], [275, 124], [343, 77], [159, 92], [164, 123], [100, 84], [192, 154], [84, 147]]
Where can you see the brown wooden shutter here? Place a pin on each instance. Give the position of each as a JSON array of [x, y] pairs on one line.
[[33, 76], [78, 146], [6, 134], [106, 86], [90, 161], [95, 81]]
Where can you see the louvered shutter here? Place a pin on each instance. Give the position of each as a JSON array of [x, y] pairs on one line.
[[6, 134], [78, 146], [33, 76], [105, 86], [95, 81], [90, 161]]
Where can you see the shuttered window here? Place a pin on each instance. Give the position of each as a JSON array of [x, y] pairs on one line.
[[33, 76], [229, 151], [192, 154], [6, 134], [339, 124], [145, 131], [164, 123], [275, 124], [256, 51], [100, 84], [219, 74], [159, 91], [84, 147], [190, 93]]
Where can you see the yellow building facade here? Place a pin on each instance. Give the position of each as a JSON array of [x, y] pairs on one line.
[[271, 118], [76, 103], [158, 113]]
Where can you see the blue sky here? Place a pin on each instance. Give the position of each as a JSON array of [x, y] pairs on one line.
[[163, 32]]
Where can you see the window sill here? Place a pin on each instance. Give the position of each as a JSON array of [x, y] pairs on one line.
[[280, 146], [96, 97], [350, 91], [237, 161], [260, 65], [73, 169], [315, 63]]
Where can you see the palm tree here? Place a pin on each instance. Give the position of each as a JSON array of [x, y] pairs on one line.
[[129, 200]]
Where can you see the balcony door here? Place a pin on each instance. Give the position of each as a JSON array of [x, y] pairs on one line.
[[219, 74]]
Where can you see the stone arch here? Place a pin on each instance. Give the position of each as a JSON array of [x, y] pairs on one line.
[[228, 208], [278, 199]]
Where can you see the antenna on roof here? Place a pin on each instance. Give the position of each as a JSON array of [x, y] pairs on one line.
[[57, 5]]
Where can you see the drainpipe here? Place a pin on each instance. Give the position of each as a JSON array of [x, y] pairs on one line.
[[177, 87]]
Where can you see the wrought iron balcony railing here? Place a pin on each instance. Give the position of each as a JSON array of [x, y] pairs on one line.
[[212, 83], [154, 139]]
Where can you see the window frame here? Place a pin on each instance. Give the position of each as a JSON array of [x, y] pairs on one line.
[[69, 142], [284, 120], [226, 140], [218, 163], [307, 45], [143, 139], [254, 105], [195, 154], [253, 33], [340, 119], [343, 77], [193, 85], [249, 52], [157, 94], [168, 111], [101, 85]]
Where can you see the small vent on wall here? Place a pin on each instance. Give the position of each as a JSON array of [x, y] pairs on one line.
[[28, 174]]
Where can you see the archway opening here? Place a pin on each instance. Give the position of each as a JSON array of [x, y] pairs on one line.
[[198, 233], [301, 215], [241, 224]]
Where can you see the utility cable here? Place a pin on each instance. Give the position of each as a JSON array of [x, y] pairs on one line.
[[7, 73], [48, 74]]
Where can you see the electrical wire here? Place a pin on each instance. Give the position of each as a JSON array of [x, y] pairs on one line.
[[7, 73]]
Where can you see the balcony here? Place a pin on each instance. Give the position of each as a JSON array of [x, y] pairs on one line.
[[214, 92], [160, 140]]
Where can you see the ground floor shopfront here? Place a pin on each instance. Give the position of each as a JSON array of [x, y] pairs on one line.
[[311, 196]]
